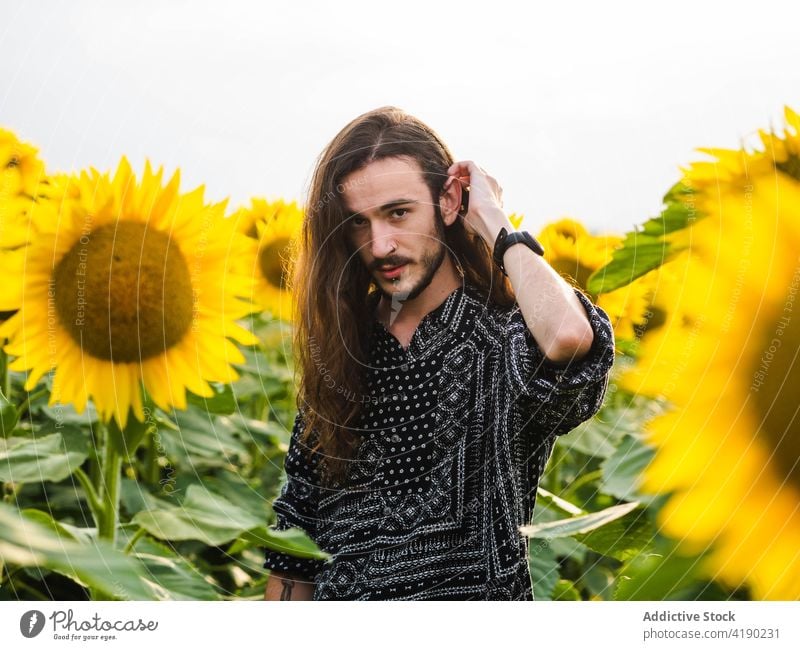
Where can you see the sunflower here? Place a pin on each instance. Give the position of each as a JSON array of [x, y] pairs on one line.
[[275, 226], [127, 284], [726, 358], [21, 172], [21, 168]]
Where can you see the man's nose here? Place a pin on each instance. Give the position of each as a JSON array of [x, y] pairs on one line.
[[383, 242]]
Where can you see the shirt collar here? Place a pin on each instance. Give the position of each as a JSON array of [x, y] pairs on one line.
[[447, 316]]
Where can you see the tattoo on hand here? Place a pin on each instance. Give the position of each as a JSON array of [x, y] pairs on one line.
[[286, 592]]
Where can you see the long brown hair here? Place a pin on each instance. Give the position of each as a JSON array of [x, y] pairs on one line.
[[331, 285]]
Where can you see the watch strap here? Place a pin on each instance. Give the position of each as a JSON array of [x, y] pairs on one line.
[[505, 240]]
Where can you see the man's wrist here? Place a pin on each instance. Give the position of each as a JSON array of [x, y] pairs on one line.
[[493, 223], [518, 254]]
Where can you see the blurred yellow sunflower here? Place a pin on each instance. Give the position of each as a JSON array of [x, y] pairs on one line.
[[127, 284], [275, 226], [22, 182], [20, 231], [21, 171], [727, 358], [16, 227]]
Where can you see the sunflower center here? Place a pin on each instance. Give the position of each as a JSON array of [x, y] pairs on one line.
[[270, 259], [790, 166], [123, 292], [574, 269], [773, 389]]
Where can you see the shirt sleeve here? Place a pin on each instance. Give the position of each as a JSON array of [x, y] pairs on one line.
[[296, 506], [560, 397]]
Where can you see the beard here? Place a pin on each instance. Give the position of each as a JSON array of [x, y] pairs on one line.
[[430, 262]]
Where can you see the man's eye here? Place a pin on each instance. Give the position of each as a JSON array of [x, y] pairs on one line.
[[403, 210], [357, 222]]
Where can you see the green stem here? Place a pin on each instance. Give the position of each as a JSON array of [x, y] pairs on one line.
[[554, 469], [5, 376], [112, 468], [95, 464], [30, 397], [92, 498], [572, 490], [152, 471], [129, 546], [10, 491], [107, 490], [257, 406]]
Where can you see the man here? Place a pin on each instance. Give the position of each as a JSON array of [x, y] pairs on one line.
[[434, 376]]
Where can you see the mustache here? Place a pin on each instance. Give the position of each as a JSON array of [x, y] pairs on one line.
[[389, 261]]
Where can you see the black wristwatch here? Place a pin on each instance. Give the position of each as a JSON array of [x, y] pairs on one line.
[[506, 239]]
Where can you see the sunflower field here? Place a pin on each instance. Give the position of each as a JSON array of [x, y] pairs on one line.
[[147, 389]]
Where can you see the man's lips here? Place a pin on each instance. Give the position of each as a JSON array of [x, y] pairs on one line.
[[391, 271]]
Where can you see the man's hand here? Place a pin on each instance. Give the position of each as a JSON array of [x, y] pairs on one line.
[[286, 586], [552, 311], [485, 213]]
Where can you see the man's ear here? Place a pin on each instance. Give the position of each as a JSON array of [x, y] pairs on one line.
[[450, 202]]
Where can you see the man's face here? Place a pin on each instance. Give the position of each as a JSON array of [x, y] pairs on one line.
[[398, 233]]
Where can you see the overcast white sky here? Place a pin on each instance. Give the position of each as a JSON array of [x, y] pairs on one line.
[[578, 109]]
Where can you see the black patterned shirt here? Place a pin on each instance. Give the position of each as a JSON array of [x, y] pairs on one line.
[[456, 432]]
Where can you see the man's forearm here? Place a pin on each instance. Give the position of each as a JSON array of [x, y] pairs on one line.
[[287, 586], [552, 311]]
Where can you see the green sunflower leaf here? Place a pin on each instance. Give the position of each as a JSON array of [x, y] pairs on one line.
[[622, 538], [197, 440], [127, 440], [176, 579], [292, 541], [580, 524], [656, 576], [51, 457], [202, 515], [8, 416], [595, 437], [66, 413], [623, 469], [640, 254], [598, 580], [221, 403], [28, 542], [544, 569], [565, 590], [675, 216]]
